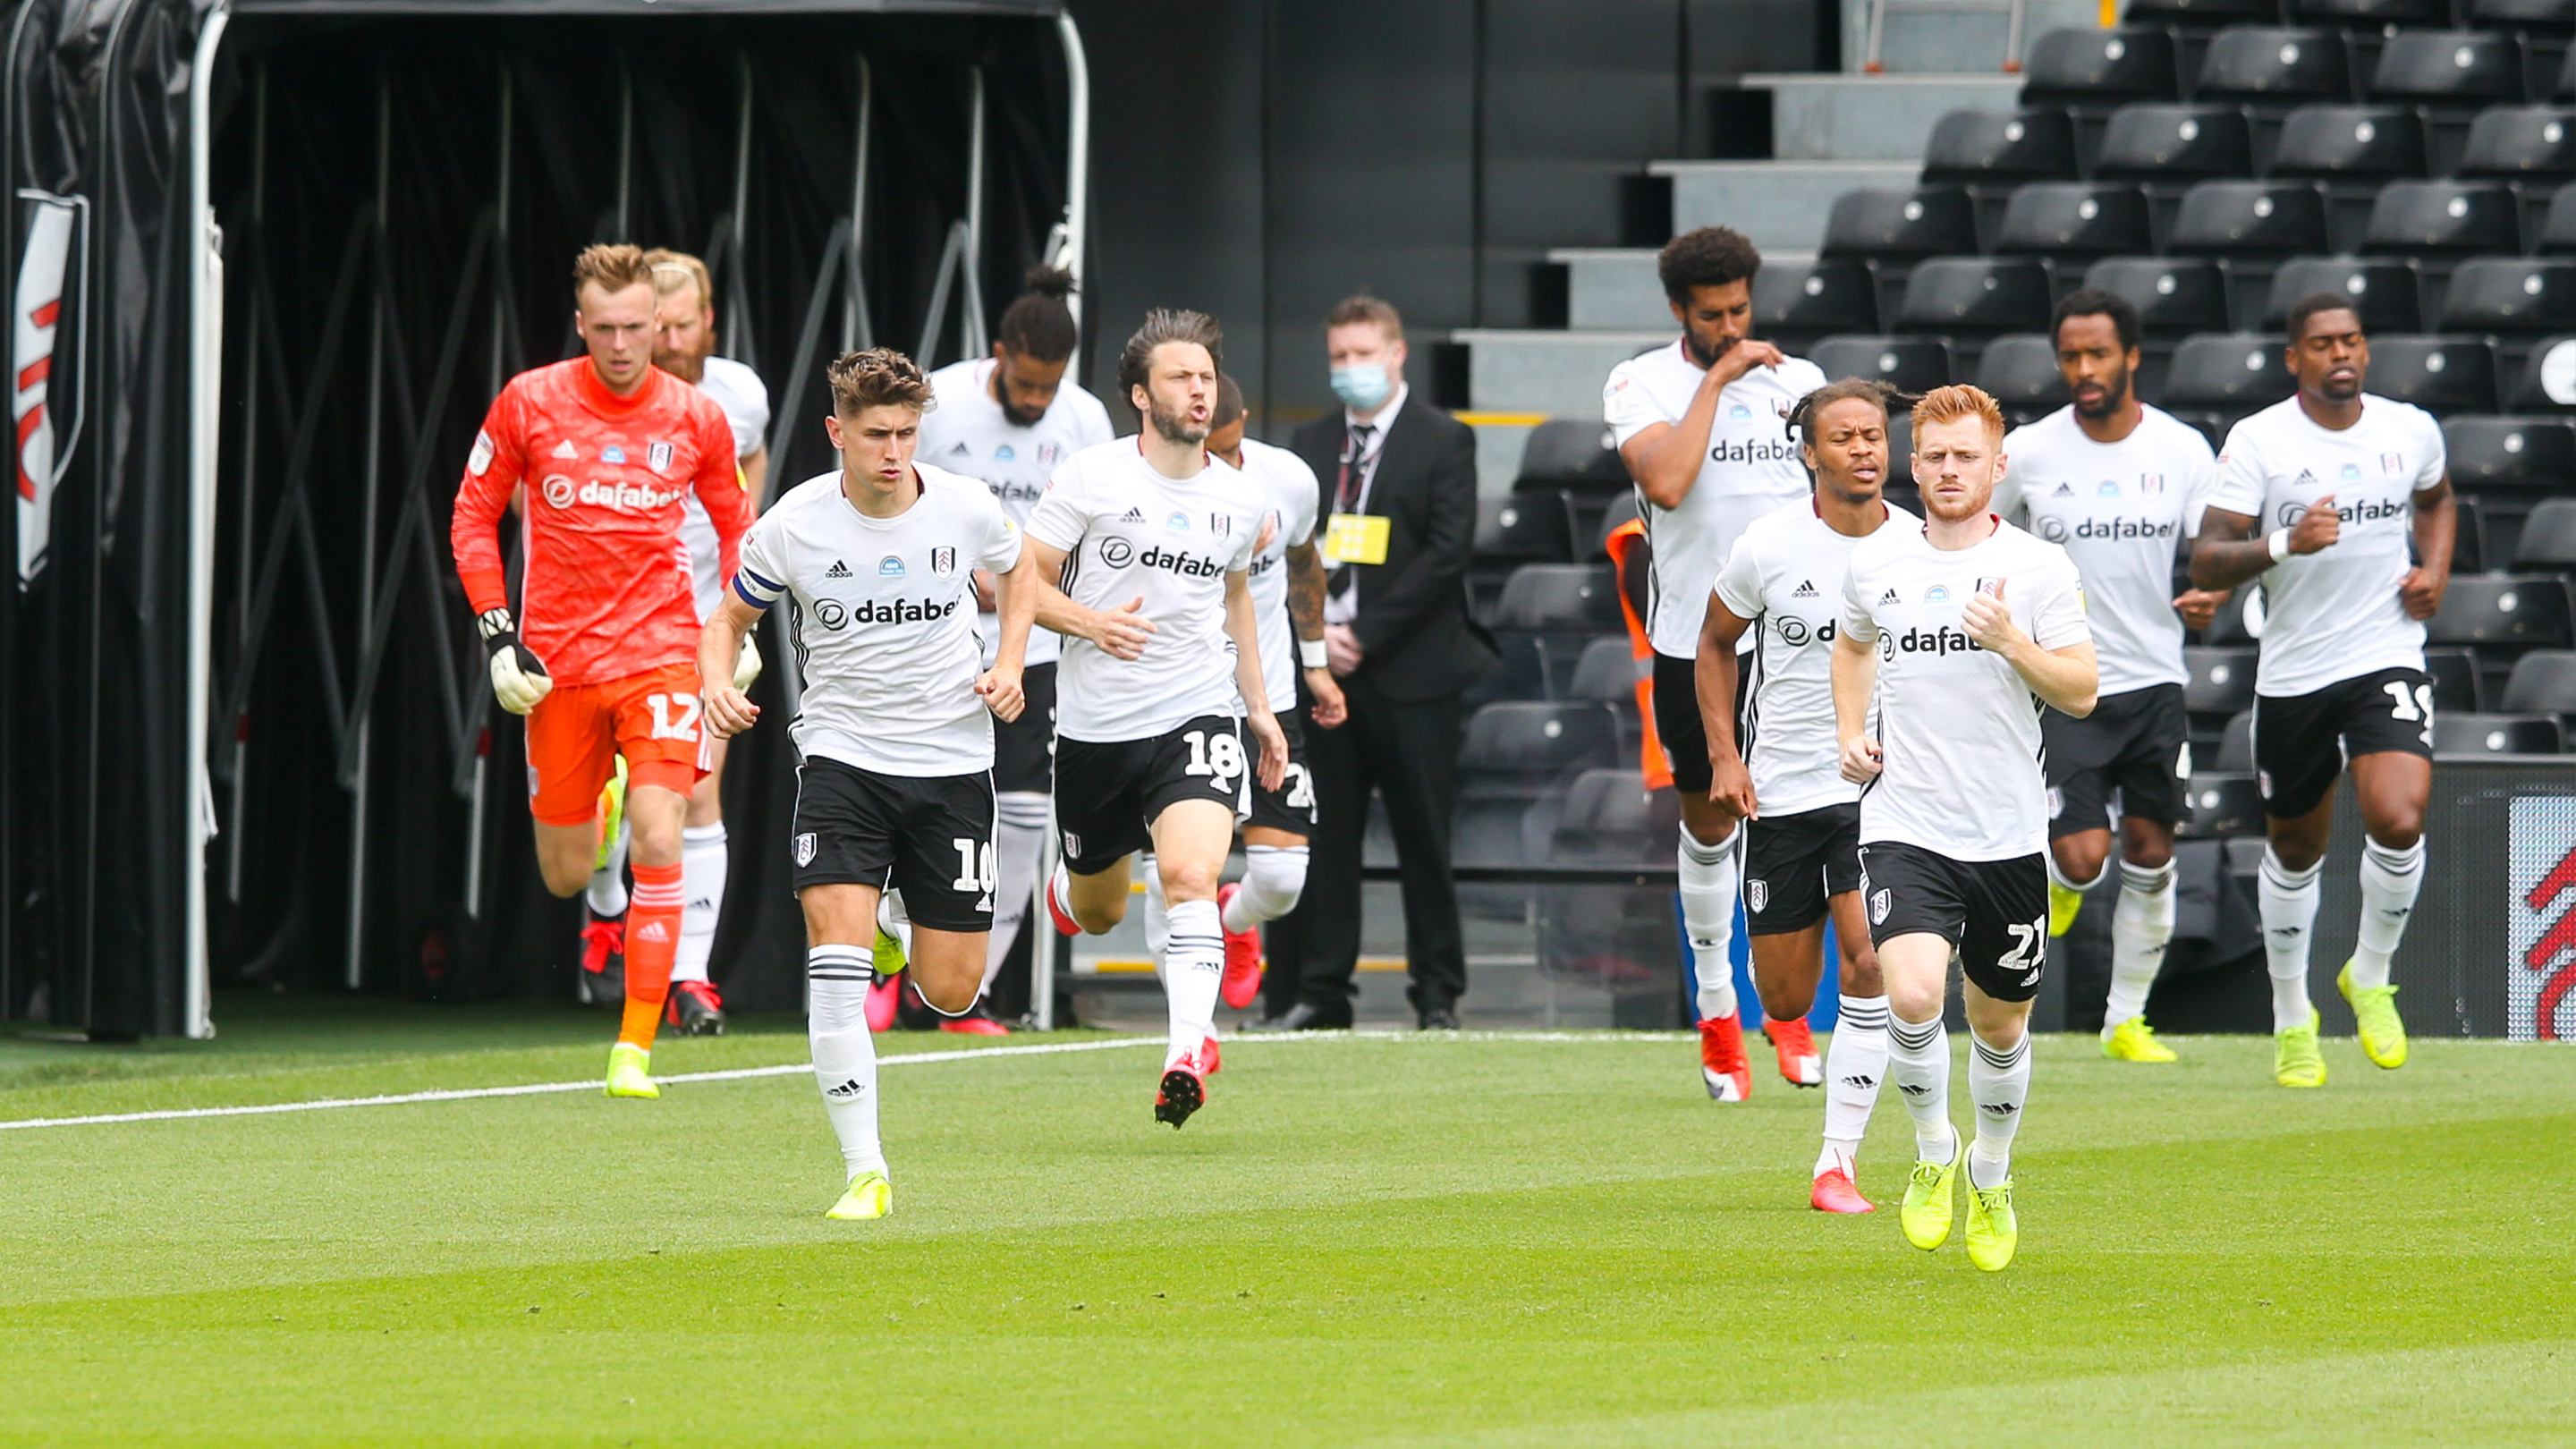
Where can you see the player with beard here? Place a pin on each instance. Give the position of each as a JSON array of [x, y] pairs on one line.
[[1782, 588], [1150, 749], [2121, 486], [1011, 419], [2356, 491], [1959, 635], [1698, 424]]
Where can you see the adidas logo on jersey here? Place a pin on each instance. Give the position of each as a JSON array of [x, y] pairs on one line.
[[1132, 515], [1889, 597], [961, 451], [1806, 589], [838, 570], [565, 449], [2062, 490], [1186, 565]]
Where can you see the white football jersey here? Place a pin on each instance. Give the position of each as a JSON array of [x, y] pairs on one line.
[[1958, 729], [745, 400], [1294, 497], [881, 613], [1752, 468], [2334, 614], [968, 433], [1128, 532], [1786, 577], [2121, 511]]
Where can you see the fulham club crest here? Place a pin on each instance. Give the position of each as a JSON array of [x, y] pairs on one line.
[[657, 456], [1220, 525], [1757, 895], [943, 561], [805, 848]]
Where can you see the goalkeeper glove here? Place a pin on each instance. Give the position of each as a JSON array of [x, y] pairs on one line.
[[518, 677], [746, 665]]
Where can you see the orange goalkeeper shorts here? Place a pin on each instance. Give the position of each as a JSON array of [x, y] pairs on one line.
[[576, 733]]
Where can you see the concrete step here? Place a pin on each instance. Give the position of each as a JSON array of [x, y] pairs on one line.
[[1554, 374], [1616, 288], [1871, 117], [1781, 205], [1966, 37]]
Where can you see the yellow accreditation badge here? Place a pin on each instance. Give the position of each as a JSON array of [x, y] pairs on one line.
[[1355, 538]]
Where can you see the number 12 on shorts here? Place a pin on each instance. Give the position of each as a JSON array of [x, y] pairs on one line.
[[665, 727]]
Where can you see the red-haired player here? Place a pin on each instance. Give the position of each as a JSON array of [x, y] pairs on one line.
[[603, 661]]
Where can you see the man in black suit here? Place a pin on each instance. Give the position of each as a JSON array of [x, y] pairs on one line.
[[1399, 515]]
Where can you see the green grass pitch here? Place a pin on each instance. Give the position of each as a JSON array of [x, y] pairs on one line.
[[1362, 1241]]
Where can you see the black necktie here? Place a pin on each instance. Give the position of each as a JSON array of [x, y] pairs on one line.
[[1353, 486]]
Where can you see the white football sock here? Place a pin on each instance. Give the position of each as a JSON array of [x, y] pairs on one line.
[[1708, 883], [2389, 881], [2289, 909], [2058, 875], [2141, 928], [1999, 1083], [1918, 1062], [1274, 876], [703, 863], [1855, 1063], [608, 883], [845, 1054], [895, 921], [1158, 925], [1193, 968], [1019, 846]]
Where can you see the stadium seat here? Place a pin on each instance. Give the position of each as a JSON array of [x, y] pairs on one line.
[[2548, 536], [1795, 303], [1899, 226], [2557, 17], [2274, 67], [2161, 141], [2521, 143], [1524, 748], [2229, 627], [2384, 288], [1606, 674], [1912, 364], [1975, 295], [2241, 219], [2456, 685], [1525, 526], [2515, 298], [2221, 804], [2488, 454], [2558, 223], [2236, 743], [2415, 217], [2222, 679], [2226, 375], [2084, 66], [1991, 148], [2075, 219], [2448, 68], [2441, 374], [2495, 734], [2020, 372], [1571, 453], [1618, 509], [2491, 609], [2349, 143], [1543, 619], [1611, 818], [2202, 14], [2547, 381], [2469, 552], [2543, 682], [2372, 12], [2173, 295]]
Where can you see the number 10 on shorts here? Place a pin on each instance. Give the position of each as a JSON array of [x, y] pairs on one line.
[[975, 869]]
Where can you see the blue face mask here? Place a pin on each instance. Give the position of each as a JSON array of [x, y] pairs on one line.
[[1362, 386]]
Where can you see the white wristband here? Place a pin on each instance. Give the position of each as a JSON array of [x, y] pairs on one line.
[[1312, 654], [2280, 542]]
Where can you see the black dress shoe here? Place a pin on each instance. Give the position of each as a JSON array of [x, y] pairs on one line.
[[1305, 1017], [1440, 1018]]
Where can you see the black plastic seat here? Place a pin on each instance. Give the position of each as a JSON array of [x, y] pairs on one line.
[[1560, 598], [2441, 374], [1975, 295], [2246, 218], [2020, 372], [2547, 382], [2521, 143], [2081, 65], [2519, 609], [2543, 682], [2469, 536], [1795, 301], [2236, 743], [1973, 148], [2456, 683], [2385, 290], [2274, 65], [2496, 734], [1576, 453], [2230, 373], [2558, 223], [1913, 364], [2511, 294], [2222, 679], [2546, 16], [1526, 526], [2417, 217], [2493, 454], [2075, 218], [1609, 817], [2202, 14], [2173, 295], [2221, 805], [2548, 536], [2452, 68], [1929, 221], [1605, 673], [2163, 141], [1524, 748], [2350, 143]]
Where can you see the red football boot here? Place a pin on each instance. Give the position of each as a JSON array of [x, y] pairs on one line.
[[1722, 1066], [1183, 1091], [1242, 956], [1795, 1044], [1835, 1192]]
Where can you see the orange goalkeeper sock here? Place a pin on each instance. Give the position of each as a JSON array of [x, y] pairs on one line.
[[652, 939]]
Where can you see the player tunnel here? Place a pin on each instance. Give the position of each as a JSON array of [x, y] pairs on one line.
[[271, 262]]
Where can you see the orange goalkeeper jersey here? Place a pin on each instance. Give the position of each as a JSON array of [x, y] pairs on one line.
[[606, 593]]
